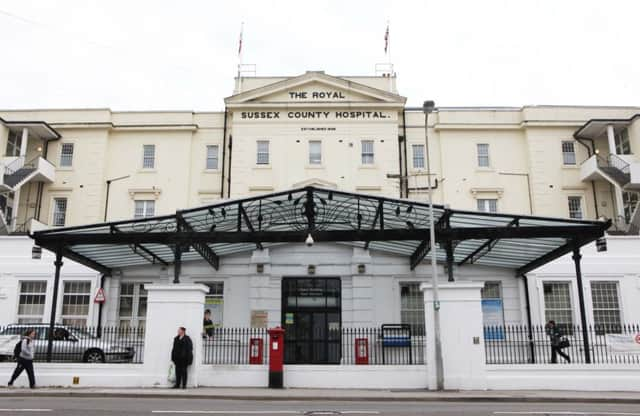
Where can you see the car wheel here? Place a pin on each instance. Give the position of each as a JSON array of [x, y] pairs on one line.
[[93, 356]]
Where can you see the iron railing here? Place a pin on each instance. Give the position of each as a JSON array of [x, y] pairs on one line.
[[608, 344], [78, 344], [234, 346], [231, 345]]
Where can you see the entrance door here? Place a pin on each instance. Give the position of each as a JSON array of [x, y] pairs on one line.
[[311, 317]]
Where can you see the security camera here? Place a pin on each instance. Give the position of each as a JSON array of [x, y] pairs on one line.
[[309, 240]]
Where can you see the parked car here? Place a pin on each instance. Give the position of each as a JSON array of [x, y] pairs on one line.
[[69, 344]]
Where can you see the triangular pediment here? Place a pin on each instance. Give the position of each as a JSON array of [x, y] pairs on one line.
[[317, 182], [315, 88]]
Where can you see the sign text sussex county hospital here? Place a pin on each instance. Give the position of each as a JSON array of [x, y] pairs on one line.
[[321, 115]]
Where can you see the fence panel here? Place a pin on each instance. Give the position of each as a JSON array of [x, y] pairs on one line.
[[232, 346], [516, 344], [78, 344]]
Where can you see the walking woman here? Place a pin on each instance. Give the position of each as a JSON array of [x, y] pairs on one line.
[[25, 358], [182, 357], [558, 342]]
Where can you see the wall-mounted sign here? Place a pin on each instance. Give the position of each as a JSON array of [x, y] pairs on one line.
[[315, 115], [288, 318], [259, 318], [317, 95]]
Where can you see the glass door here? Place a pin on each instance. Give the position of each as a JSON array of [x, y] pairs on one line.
[[311, 317]]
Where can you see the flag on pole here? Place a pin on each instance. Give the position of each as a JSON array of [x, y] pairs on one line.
[[386, 39], [240, 40]]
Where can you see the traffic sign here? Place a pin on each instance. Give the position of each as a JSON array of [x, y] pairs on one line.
[[100, 298]]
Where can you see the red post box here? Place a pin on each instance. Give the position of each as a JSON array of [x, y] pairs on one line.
[[276, 357], [255, 350], [362, 351]]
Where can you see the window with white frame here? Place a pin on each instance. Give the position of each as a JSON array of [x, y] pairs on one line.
[[144, 209], [623, 145], [606, 307], [14, 143], [412, 307], [575, 207], [262, 157], [418, 156], [487, 205], [483, 155], [367, 152], [132, 308], [557, 303], [214, 302], [33, 295], [59, 212], [315, 152], [568, 153], [75, 303], [212, 157], [148, 156], [66, 155]]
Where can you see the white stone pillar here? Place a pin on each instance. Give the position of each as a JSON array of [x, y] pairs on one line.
[[611, 138], [461, 334], [170, 306], [23, 144]]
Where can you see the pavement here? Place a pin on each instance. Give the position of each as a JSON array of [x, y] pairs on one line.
[[263, 394]]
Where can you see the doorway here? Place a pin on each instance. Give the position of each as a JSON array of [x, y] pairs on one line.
[[311, 317]]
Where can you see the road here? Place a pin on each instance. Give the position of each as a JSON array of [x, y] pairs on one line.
[[69, 406]]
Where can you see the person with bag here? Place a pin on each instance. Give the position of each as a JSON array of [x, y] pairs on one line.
[[182, 357], [23, 353], [558, 342]]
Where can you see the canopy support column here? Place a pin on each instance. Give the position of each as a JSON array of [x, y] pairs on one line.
[[449, 249], [583, 318], [532, 350], [54, 304], [177, 264], [103, 278]]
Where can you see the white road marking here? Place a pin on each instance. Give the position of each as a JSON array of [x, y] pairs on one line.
[[26, 410], [550, 413], [229, 412], [265, 412]]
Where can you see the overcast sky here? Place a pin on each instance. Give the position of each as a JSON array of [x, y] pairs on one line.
[[182, 55]]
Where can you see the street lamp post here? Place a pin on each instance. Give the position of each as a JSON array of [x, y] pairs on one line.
[[106, 202], [428, 107]]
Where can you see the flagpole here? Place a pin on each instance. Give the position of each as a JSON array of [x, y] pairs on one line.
[[240, 57]]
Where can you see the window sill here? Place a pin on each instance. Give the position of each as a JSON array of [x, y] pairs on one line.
[[485, 169], [64, 169], [262, 166], [571, 167], [372, 166], [314, 166], [147, 170], [208, 171]]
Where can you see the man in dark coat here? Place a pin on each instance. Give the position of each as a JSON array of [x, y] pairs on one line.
[[182, 357]]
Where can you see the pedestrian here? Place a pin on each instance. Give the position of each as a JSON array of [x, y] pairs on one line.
[[182, 357], [25, 358], [558, 342], [207, 324]]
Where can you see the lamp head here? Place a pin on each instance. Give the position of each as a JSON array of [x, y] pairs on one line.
[[428, 106], [309, 241]]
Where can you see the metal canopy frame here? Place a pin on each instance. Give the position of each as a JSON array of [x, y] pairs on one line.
[[395, 226]]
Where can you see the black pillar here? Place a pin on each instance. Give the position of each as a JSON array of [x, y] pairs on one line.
[[100, 306], [583, 318], [449, 249], [54, 303], [532, 350], [177, 264]]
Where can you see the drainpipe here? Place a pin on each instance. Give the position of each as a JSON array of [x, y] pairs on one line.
[[229, 177], [224, 151], [405, 177], [532, 350]]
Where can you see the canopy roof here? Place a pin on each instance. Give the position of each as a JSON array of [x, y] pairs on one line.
[[396, 226]]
